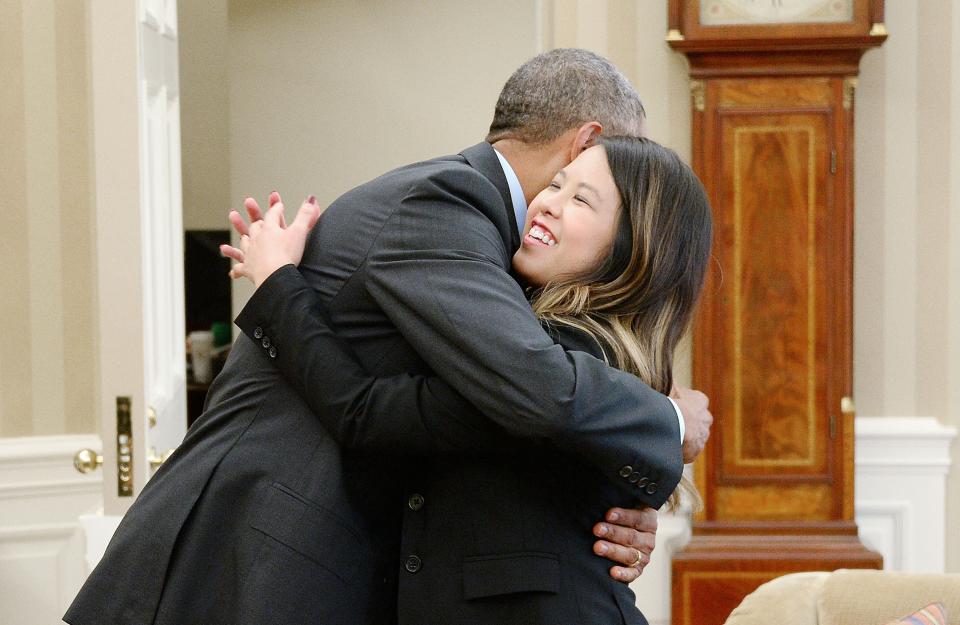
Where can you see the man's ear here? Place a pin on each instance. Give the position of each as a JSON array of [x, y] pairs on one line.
[[644, 131], [584, 138]]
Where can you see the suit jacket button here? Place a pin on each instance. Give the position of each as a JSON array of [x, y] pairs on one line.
[[633, 477], [413, 564], [626, 471], [265, 342], [272, 352], [415, 502], [642, 482], [257, 333], [651, 488]]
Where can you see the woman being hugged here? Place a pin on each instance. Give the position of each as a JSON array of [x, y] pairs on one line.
[[638, 299]]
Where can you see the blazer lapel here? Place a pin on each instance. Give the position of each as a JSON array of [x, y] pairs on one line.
[[483, 158]]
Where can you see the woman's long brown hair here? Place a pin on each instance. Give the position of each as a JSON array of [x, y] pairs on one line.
[[639, 300]]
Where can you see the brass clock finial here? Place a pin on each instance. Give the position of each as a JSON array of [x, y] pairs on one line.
[[850, 84], [697, 88]]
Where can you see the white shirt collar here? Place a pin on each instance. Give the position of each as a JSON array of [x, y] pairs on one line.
[[516, 192]]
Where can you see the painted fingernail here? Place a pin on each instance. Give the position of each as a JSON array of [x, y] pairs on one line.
[[312, 200]]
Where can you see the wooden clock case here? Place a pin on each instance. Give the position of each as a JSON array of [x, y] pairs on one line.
[[772, 345]]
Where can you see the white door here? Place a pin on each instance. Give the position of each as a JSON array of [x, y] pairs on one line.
[[137, 275], [136, 122], [130, 76]]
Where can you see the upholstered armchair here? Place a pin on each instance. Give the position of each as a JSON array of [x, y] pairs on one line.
[[847, 597]]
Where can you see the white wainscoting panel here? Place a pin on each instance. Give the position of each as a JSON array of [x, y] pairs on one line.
[[41, 547], [901, 469], [901, 474], [887, 527], [97, 531]]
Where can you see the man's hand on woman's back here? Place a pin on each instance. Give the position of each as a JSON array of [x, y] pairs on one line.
[[627, 538], [695, 407]]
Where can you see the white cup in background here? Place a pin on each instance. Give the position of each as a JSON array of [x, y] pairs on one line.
[[201, 350]]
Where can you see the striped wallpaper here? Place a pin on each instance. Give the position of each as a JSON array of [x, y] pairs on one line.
[[48, 353]]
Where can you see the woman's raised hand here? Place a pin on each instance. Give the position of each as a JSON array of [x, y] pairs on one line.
[[268, 243]]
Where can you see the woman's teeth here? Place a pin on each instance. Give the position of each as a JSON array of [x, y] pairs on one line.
[[538, 233]]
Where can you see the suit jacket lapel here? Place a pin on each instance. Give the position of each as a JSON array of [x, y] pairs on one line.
[[482, 158]]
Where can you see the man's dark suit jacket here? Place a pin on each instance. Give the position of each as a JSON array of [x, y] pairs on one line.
[[498, 529], [262, 517]]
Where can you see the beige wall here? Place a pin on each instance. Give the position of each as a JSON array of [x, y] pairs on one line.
[[48, 357], [323, 97], [205, 123], [907, 232], [953, 299]]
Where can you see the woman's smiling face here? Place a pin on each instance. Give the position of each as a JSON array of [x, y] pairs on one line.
[[571, 224]]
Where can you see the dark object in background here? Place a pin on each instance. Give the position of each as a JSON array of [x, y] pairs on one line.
[[206, 283], [207, 297]]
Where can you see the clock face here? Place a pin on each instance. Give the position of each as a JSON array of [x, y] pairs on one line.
[[735, 12]]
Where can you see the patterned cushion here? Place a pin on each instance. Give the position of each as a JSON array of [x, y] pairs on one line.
[[933, 614]]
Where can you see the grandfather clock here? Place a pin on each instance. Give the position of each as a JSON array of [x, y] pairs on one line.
[[772, 85]]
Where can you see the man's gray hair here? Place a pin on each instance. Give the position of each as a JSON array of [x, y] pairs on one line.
[[561, 89]]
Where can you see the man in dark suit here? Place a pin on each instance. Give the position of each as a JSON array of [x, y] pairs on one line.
[[262, 517]]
